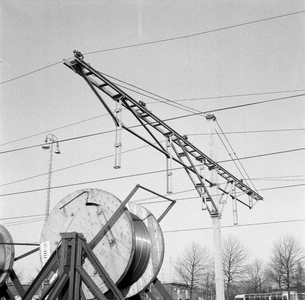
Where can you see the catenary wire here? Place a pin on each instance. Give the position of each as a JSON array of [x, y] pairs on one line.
[[197, 34], [214, 97], [32, 72], [118, 178], [73, 166], [146, 201], [141, 201], [54, 129], [238, 95], [252, 131], [287, 177], [175, 118], [130, 150], [173, 194], [165, 40], [265, 154], [230, 226], [203, 228], [238, 106], [137, 148], [60, 141]]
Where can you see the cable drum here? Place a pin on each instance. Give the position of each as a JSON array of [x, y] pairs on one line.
[[132, 250], [7, 254], [87, 211]]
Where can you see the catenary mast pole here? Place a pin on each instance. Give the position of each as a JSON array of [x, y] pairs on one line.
[[216, 216]]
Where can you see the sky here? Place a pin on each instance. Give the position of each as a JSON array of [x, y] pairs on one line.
[[243, 61]]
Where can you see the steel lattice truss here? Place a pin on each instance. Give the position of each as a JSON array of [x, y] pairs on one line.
[[177, 149]]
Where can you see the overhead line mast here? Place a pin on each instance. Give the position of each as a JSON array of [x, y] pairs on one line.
[[177, 149]]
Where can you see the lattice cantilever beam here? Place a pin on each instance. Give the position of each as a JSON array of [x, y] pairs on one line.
[[185, 153]]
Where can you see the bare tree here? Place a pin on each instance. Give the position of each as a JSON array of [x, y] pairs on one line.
[[300, 280], [274, 275], [190, 267], [255, 278], [234, 262], [287, 255]]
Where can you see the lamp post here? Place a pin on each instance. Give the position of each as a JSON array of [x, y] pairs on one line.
[[50, 140]]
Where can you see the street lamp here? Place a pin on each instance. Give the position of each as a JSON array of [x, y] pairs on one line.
[[50, 140]]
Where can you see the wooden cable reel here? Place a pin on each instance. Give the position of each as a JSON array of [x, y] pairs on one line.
[[131, 252], [7, 254]]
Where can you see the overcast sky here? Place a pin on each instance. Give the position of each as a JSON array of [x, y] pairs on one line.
[[210, 56]]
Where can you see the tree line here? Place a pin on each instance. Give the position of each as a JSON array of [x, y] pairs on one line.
[[284, 270]]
